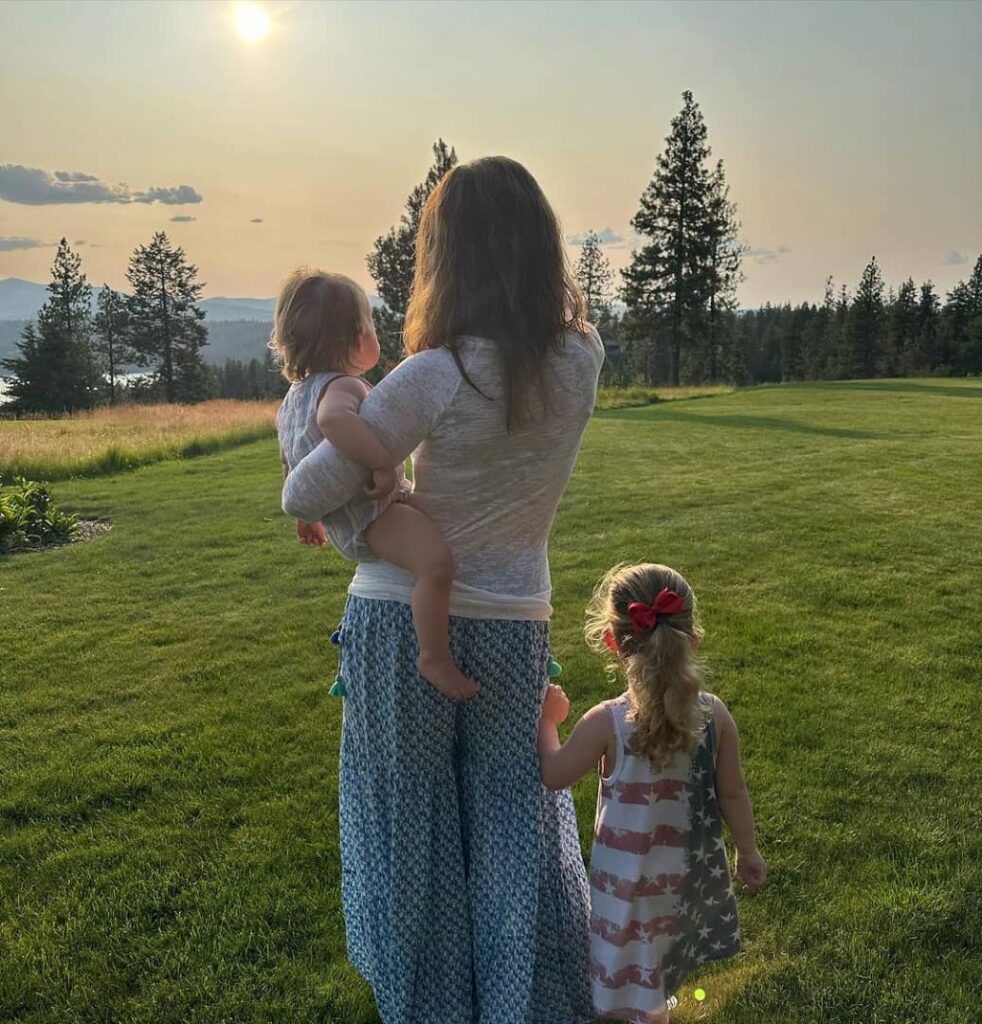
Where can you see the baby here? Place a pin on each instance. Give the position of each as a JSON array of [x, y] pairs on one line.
[[324, 338]]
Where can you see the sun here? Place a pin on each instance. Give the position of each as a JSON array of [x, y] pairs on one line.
[[252, 22]]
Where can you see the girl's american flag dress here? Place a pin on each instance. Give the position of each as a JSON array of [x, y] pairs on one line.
[[662, 901]]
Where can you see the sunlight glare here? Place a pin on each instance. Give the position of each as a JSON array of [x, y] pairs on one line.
[[252, 22]]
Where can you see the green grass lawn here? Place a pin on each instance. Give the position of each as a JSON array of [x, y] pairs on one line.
[[168, 751]]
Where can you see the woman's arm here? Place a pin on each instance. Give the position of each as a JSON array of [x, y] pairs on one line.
[[401, 410], [338, 419]]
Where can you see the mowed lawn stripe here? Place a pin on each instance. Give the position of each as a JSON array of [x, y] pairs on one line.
[[168, 752]]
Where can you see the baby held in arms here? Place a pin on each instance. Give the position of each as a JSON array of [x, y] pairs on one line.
[[324, 338]]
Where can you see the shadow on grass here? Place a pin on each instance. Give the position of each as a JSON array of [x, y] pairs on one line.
[[900, 387], [738, 420]]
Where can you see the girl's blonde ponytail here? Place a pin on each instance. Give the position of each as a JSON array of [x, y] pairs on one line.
[[663, 673]]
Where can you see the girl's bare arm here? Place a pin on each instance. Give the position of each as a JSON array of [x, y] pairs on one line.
[[734, 800], [563, 764], [339, 422]]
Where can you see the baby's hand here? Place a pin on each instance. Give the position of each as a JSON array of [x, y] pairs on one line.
[[556, 706], [751, 869], [383, 483], [311, 533]]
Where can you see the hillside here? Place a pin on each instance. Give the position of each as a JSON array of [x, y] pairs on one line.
[[227, 339], [238, 328]]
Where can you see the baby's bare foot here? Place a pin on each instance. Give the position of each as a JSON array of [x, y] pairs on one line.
[[443, 675]]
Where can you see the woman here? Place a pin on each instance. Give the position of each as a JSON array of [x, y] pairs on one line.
[[464, 891]]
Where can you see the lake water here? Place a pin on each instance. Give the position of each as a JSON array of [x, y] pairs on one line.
[[5, 386]]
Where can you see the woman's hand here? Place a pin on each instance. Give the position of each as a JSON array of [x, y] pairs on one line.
[[751, 868], [556, 706], [311, 533]]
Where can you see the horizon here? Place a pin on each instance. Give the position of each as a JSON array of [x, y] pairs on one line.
[[846, 134]]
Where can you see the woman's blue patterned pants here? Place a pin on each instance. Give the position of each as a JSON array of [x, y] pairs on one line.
[[465, 896]]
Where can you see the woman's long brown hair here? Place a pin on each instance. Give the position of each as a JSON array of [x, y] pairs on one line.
[[490, 262]]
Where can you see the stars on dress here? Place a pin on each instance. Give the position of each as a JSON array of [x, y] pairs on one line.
[[710, 921]]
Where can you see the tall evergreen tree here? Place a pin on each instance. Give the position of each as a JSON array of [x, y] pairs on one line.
[[276, 385], [723, 256], [595, 278], [903, 329], [818, 339], [166, 328], [866, 320], [393, 257], [56, 371], [972, 351], [961, 324], [928, 315], [109, 342], [665, 279]]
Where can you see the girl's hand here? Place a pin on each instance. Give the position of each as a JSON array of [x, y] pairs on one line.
[[311, 533], [556, 706], [383, 483], [751, 869]]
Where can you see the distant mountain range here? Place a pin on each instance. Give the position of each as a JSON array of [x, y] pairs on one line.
[[21, 300]]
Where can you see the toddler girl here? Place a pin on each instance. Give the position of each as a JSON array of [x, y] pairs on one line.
[[325, 339], [668, 753]]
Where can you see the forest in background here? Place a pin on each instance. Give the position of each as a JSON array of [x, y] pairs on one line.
[[671, 318]]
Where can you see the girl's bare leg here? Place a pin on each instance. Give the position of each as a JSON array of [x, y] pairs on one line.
[[407, 538]]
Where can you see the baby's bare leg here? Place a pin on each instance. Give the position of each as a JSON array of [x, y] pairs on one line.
[[407, 538]]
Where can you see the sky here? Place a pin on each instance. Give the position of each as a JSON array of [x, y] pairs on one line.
[[847, 129]]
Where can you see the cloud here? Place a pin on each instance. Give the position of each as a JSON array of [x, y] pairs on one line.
[[256, 220], [80, 241], [182, 218], [74, 176], [178, 195], [32, 186], [766, 255], [953, 258], [11, 242], [606, 237]]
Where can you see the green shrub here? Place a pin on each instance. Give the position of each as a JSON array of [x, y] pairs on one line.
[[29, 519]]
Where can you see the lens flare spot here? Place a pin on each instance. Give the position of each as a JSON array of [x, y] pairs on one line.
[[700, 994]]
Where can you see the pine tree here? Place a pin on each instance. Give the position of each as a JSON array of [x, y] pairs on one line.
[[840, 356], [961, 324], [666, 279], [866, 320], [56, 371], [166, 328], [276, 386], [818, 341], [972, 353], [723, 274], [735, 365], [928, 315], [109, 343], [595, 278], [903, 329], [393, 257], [975, 286]]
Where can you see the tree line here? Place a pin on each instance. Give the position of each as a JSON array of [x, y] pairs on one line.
[[77, 354], [673, 316]]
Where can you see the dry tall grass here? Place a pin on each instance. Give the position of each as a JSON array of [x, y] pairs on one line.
[[111, 439]]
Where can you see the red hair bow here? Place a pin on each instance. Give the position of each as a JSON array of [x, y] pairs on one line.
[[646, 616]]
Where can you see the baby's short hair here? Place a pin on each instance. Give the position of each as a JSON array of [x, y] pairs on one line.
[[317, 322]]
